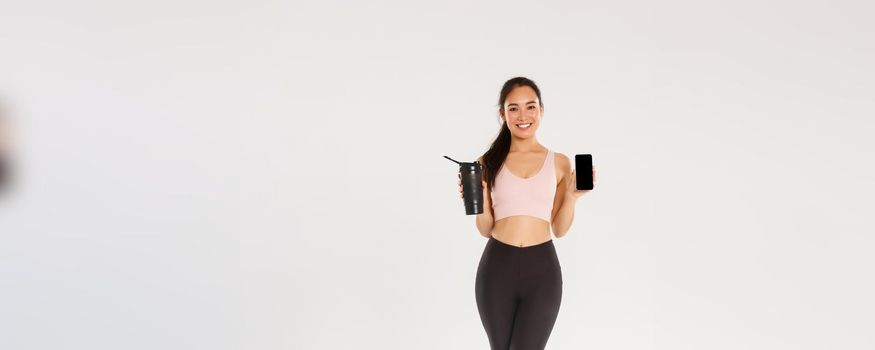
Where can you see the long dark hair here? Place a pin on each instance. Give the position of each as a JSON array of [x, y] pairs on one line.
[[494, 157]]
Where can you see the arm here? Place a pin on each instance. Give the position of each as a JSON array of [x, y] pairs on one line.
[[566, 197], [486, 220], [563, 205], [564, 217]]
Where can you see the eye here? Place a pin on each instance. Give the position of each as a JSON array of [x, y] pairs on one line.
[[532, 107], [512, 109]]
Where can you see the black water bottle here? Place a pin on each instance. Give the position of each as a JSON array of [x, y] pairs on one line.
[[472, 186]]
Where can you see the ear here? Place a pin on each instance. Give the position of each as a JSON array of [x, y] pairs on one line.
[[501, 115]]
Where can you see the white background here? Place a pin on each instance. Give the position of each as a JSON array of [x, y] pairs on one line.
[[270, 175]]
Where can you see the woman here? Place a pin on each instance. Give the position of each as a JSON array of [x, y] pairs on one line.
[[531, 189]]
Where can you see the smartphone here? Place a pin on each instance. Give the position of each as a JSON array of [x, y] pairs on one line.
[[583, 171]]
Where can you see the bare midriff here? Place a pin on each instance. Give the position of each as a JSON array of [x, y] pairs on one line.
[[521, 230]]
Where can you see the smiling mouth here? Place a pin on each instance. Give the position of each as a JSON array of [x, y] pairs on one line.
[[524, 126]]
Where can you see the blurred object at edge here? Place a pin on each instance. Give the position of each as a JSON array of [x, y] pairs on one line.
[[4, 152]]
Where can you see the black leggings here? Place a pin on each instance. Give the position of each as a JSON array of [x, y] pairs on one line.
[[518, 291]]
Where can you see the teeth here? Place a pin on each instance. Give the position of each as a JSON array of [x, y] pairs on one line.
[[524, 125]]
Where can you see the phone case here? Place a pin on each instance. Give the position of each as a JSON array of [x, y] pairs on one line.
[[583, 171]]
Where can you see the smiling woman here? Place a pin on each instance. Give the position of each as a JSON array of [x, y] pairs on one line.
[[518, 287]]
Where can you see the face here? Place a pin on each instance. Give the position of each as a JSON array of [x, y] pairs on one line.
[[522, 106]]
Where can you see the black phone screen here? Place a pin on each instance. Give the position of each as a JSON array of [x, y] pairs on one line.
[[583, 171]]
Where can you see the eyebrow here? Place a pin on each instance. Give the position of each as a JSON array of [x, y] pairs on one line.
[[514, 104]]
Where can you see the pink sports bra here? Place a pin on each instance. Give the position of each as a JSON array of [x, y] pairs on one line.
[[513, 195]]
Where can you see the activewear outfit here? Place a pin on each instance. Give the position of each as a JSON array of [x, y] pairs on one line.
[[519, 289]]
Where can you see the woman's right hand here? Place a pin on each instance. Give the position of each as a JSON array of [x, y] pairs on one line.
[[461, 192]]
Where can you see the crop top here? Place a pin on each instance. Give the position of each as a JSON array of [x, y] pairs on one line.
[[513, 195]]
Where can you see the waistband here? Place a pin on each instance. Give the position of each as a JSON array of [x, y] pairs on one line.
[[548, 245]]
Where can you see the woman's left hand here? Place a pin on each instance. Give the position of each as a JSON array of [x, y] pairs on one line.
[[571, 189]]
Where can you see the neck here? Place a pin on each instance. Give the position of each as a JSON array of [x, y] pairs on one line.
[[525, 145]]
